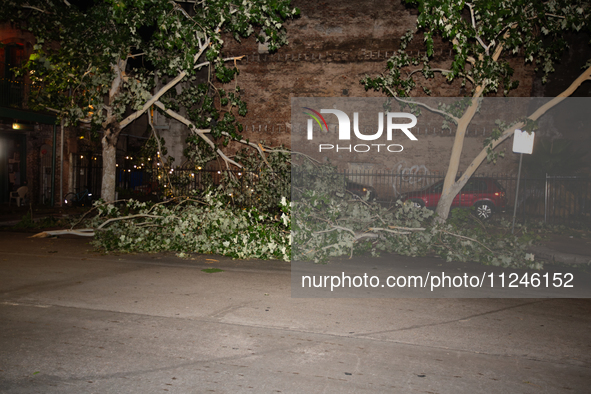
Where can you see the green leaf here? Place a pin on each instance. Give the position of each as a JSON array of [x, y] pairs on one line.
[[212, 270]]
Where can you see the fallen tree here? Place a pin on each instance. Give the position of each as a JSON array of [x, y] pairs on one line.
[[106, 63], [482, 35]]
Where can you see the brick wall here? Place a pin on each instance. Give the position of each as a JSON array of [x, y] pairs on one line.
[[332, 46]]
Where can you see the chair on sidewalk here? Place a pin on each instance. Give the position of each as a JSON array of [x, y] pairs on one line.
[[19, 195]]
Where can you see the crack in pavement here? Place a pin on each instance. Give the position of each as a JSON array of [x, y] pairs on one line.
[[449, 321], [329, 335]]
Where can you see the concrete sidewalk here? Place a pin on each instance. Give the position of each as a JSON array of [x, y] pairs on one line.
[[564, 249], [75, 321], [12, 215]]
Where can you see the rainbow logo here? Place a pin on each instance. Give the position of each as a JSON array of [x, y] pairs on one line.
[[316, 115]]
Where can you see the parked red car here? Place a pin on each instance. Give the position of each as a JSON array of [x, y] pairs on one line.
[[485, 194]]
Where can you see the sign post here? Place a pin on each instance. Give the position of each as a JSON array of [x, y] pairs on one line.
[[523, 142]]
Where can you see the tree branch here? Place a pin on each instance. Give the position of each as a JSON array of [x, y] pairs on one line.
[[197, 131], [139, 215], [125, 122], [37, 9], [509, 132], [179, 8], [438, 111], [224, 60], [135, 55], [390, 231], [469, 239], [153, 99], [408, 228], [471, 6], [83, 232], [159, 149]]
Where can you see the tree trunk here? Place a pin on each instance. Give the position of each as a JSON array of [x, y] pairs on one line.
[[446, 200], [585, 76], [109, 143], [450, 187]]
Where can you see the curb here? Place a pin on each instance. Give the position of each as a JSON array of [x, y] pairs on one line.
[[8, 223], [544, 253]]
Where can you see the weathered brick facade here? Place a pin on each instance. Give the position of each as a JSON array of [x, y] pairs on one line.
[[332, 46]]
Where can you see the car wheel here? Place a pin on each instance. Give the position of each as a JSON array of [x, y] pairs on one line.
[[416, 203], [484, 210]]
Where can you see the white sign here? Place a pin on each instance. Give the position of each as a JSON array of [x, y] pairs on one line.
[[523, 142]]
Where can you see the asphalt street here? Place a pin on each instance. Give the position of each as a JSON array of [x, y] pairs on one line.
[[73, 320]]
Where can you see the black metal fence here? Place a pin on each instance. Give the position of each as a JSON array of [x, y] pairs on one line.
[[553, 199], [12, 93], [86, 173], [244, 188]]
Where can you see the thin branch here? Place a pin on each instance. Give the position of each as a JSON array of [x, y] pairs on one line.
[[135, 55], [53, 110], [438, 111], [161, 203], [179, 8], [390, 231], [202, 48], [152, 100], [441, 70], [258, 147], [197, 131], [409, 228], [160, 157], [301, 154], [505, 33], [555, 16], [224, 60], [84, 232], [336, 228], [95, 207], [468, 238], [148, 224], [444, 71], [36, 9], [125, 122], [139, 215], [486, 47]]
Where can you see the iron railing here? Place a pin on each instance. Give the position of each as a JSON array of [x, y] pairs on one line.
[[12, 93], [552, 199], [243, 188]]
